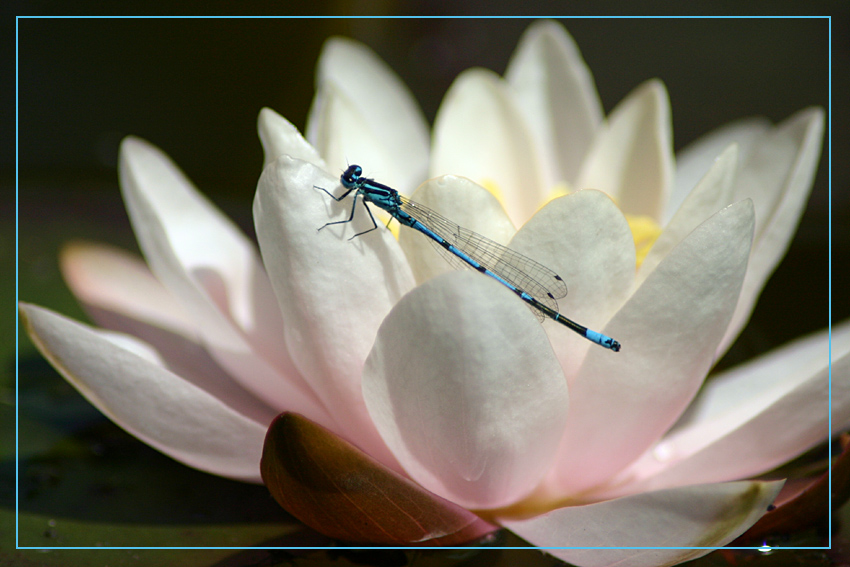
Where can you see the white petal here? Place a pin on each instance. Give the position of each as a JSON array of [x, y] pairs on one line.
[[344, 136], [391, 136], [464, 388], [119, 293], [333, 292], [631, 158], [465, 203], [557, 97], [694, 517], [584, 238], [151, 403], [778, 174], [754, 417], [280, 137], [669, 330], [693, 162], [712, 193], [215, 272], [479, 133]]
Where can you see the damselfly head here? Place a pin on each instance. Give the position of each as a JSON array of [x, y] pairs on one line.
[[350, 176]]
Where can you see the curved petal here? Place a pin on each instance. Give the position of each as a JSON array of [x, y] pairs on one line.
[[479, 133], [465, 203], [712, 193], [778, 174], [388, 114], [586, 240], [702, 517], [333, 292], [279, 137], [668, 329], [151, 403], [214, 271], [119, 293], [557, 96], [631, 158], [694, 161], [731, 431], [464, 388], [341, 492]]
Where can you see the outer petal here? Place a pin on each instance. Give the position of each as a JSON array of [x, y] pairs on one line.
[[712, 193], [693, 162], [465, 390], [732, 429], [669, 328], [333, 292], [280, 137], [586, 240], [388, 116], [479, 133], [465, 203], [632, 156], [778, 175], [215, 272], [706, 516], [557, 97], [158, 407], [119, 293]]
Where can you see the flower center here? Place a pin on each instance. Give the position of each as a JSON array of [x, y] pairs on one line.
[[492, 186], [645, 232]]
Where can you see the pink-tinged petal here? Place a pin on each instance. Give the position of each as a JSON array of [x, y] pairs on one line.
[[778, 174], [204, 261], [557, 97], [391, 138], [464, 388], [624, 402], [705, 516], [731, 429], [333, 292], [585, 239], [341, 492], [280, 137], [153, 404], [631, 158], [693, 162], [464, 203], [712, 193], [119, 293], [480, 133], [804, 502], [114, 280]]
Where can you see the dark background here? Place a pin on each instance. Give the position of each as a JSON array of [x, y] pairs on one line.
[[194, 88]]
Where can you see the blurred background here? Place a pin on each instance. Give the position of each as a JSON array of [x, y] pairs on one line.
[[194, 87]]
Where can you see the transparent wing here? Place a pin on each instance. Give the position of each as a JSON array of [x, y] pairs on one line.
[[520, 271]]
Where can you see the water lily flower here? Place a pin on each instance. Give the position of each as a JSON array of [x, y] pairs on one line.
[[407, 390]]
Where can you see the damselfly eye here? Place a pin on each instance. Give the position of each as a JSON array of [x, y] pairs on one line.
[[353, 173]]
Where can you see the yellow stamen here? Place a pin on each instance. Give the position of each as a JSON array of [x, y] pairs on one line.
[[645, 232], [493, 187], [559, 190]]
